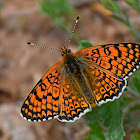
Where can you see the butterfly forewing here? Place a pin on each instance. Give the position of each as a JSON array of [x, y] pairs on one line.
[[44, 101], [117, 60]]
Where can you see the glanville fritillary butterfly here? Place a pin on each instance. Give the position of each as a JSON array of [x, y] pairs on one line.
[[80, 81]]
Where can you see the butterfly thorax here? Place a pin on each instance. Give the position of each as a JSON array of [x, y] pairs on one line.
[[70, 61]]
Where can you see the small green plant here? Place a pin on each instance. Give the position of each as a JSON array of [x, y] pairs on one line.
[[121, 16], [105, 121], [84, 44], [61, 12], [135, 4]]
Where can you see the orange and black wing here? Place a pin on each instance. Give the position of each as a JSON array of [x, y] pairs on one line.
[[117, 60], [106, 87], [73, 104], [44, 101]]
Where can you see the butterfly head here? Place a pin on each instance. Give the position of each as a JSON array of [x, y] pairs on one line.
[[64, 50]]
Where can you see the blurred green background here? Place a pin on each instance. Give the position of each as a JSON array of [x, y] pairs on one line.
[[49, 23]]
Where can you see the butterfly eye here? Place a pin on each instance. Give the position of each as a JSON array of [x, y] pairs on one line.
[[68, 50], [65, 51]]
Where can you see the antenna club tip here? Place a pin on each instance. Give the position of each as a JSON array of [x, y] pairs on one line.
[[78, 17], [28, 43]]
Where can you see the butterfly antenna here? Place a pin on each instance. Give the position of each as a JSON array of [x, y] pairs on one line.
[[77, 19], [32, 44]]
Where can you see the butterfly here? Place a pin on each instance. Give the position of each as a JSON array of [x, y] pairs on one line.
[[80, 81]]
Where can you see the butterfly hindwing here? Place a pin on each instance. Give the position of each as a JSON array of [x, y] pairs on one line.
[[44, 101], [73, 107], [107, 88]]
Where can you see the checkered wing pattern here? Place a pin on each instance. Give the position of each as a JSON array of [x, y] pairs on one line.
[[117, 60], [44, 101]]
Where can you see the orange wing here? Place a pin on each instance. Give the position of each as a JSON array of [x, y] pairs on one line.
[[73, 104], [106, 87], [44, 101], [117, 60]]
